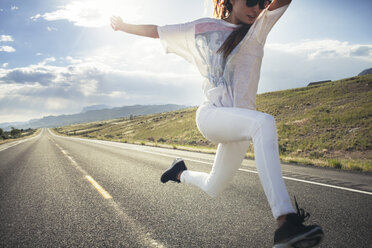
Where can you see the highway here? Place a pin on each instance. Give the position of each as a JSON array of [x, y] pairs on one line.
[[69, 192]]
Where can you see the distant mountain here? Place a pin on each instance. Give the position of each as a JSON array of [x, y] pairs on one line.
[[94, 115], [95, 107], [7, 126], [365, 72]]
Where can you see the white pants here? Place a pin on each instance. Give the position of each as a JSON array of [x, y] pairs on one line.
[[233, 129]]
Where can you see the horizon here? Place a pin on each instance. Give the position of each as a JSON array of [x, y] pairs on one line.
[[107, 107], [82, 111], [111, 107], [41, 74]]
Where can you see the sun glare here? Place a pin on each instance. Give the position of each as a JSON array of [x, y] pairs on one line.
[[96, 13]]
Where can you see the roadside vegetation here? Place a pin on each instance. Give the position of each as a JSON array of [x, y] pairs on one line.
[[14, 134], [328, 124]]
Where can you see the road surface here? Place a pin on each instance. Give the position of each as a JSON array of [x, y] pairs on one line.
[[69, 192]]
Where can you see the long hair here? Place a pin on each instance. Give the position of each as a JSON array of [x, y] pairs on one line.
[[221, 10]]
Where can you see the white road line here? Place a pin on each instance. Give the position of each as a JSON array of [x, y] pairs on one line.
[[144, 238], [101, 190], [203, 162], [316, 183], [301, 180], [9, 145], [329, 186], [255, 172], [98, 187]]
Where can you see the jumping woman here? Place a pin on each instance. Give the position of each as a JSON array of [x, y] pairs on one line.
[[228, 52]]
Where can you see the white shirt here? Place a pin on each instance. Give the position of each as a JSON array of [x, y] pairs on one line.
[[230, 82]]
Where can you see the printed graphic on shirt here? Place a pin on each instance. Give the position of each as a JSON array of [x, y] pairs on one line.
[[209, 37]]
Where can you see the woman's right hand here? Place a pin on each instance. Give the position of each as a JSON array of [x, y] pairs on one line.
[[117, 23], [142, 30]]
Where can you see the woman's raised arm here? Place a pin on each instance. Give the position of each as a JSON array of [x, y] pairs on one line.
[[275, 4], [143, 30]]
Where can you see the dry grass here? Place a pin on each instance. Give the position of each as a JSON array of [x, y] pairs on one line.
[[323, 125]]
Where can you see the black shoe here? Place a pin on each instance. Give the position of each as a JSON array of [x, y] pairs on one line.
[[295, 234], [177, 166]]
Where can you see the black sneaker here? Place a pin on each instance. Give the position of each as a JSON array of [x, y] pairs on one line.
[[295, 234], [171, 173]]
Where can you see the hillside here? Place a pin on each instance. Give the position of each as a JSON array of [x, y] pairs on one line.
[[327, 124]]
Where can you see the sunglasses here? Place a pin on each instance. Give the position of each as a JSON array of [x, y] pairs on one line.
[[262, 3]]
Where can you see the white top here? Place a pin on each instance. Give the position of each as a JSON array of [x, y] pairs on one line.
[[230, 82]]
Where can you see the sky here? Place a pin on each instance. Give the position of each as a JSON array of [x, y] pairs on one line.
[[57, 57]]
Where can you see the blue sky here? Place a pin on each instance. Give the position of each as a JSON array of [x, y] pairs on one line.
[[57, 57]]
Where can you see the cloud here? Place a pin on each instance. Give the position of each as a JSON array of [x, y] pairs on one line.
[[47, 61], [27, 76], [316, 49], [13, 8], [46, 88], [92, 13], [297, 64], [6, 38], [72, 60], [51, 29], [7, 49], [361, 51], [36, 17], [5, 65]]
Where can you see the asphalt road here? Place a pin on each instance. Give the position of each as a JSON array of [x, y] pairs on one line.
[[67, 192]]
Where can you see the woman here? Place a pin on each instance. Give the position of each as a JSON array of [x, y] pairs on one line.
[[228, 52]]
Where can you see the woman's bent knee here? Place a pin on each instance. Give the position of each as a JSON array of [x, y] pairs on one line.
[[266, 123], [266, 126], [267, 120]]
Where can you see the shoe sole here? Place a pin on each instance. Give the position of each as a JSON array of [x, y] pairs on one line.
[[306, 240]]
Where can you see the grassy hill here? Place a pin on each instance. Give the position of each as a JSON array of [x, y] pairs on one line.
[[98, 115], [327, 125]]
